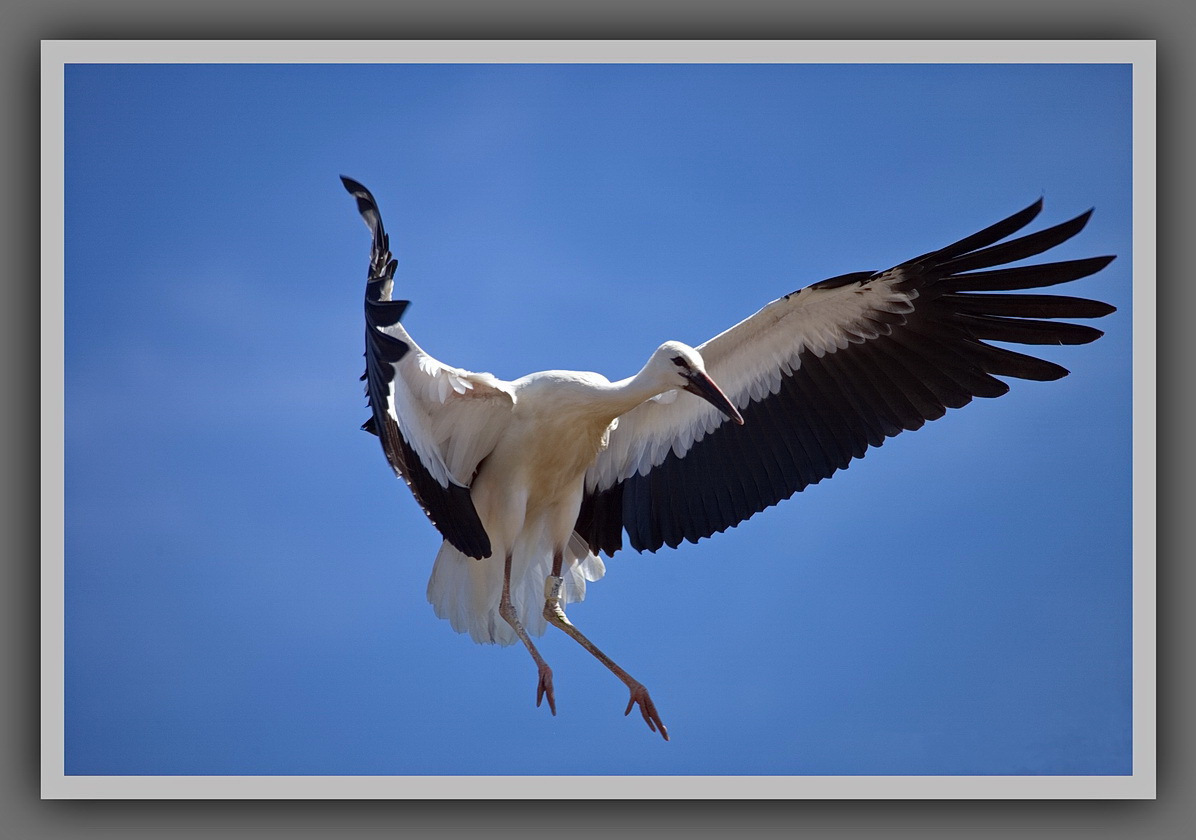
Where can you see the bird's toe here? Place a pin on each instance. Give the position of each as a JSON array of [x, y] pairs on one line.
[[544, 689], [639, 695]]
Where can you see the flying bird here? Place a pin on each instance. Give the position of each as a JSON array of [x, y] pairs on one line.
[[530, 481]]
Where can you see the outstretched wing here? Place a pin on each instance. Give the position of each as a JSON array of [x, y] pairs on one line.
[[436, 423], [828, 371]]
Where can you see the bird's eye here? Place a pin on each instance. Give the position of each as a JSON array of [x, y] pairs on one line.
[[679, 362]]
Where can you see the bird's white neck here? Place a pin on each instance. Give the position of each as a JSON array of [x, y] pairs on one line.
[[626, 394], [590, 397]]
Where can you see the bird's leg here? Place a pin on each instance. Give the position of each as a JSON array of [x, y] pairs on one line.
[[507, 610], [556, 616]]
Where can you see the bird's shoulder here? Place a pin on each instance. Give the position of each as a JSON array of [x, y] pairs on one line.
[[438, 382]]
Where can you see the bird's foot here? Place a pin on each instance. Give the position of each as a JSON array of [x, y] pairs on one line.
[[544, 689], [639, 695]]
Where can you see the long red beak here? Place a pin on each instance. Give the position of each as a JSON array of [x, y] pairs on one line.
[[704, 387]]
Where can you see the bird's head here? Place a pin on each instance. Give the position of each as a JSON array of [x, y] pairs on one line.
[[678, 365]]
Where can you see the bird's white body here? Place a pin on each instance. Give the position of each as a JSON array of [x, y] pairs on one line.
[[529, 480], [528, 490]]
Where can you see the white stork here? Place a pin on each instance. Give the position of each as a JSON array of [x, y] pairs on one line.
[[528, 481]]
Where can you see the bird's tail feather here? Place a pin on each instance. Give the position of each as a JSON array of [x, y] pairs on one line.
[[467, 591]]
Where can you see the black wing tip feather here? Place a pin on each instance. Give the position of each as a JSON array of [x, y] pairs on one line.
[[1101, 309], [366, 203], [367, 206], [1101, 263], [1022, 217], [380, 277], [1074, 226], [357, 189]]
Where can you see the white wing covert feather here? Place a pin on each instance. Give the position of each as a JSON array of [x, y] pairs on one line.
[[451, 417]]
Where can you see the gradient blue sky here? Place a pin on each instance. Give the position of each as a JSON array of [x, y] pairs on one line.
[[245, 577]]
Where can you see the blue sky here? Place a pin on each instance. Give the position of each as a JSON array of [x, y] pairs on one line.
[[245, 578]]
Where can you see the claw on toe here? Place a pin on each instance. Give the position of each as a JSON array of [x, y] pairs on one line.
[[544, 689], [639, 695]]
